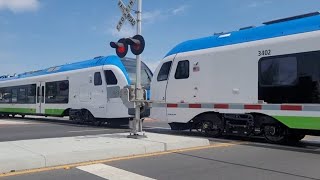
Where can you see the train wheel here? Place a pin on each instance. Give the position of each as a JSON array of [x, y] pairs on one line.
[[211, 127], [208, 129], [275, 134], [88, 117]]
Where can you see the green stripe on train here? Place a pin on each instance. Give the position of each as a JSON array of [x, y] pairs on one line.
[[56, 112], [18, 110], [312, 123]]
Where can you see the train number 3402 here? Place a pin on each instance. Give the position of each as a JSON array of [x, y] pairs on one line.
[[264, 52]]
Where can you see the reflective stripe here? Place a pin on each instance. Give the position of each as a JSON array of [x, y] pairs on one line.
[[162, 105], [236, 106], [194, 105], [272, 107], [221, 106], [183, 105], [172, 105], [253, 106], [311, 108], [291, 107]]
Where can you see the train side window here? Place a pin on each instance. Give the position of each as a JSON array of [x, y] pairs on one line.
[[164, 71], [111, 79], [57, 92], [97, 79], [278, 71], [7, 95], [14, 96], [2, 95], [31, 94], [182, 71], [22, 96]]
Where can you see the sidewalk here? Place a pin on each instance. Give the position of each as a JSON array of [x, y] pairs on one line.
[[39, 153]]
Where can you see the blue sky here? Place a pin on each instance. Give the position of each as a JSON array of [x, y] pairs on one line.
[[36, 34]]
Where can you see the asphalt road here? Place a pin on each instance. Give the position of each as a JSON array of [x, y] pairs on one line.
[[38, 128], [30, 129], [241, 159], [235, 161]]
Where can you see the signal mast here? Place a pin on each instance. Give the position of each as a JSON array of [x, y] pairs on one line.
[[137, 45]]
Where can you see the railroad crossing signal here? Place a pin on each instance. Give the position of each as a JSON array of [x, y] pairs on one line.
[[137, 44], [126, 14], [121, 47]]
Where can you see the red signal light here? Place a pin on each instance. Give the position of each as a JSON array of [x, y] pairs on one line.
[[137, 44], [121, 47]]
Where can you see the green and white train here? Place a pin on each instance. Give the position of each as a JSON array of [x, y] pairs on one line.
[[87, 91], [255, 81]]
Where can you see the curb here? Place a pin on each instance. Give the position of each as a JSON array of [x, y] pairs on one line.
[[44, 153]]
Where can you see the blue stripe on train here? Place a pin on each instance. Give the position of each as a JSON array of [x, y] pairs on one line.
[[108, 60], [280, 29]]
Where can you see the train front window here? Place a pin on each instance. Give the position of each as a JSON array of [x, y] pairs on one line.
[[146, 75], [111, 78], [145, 79]]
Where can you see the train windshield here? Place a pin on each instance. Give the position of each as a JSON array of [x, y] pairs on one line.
[[146, 74]]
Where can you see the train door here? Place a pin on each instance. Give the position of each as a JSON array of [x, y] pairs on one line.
[[181, 88], [40, 109], [115, 106], [158, 89]]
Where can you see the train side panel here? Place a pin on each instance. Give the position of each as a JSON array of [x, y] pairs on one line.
[[229, 74], [83, 93]]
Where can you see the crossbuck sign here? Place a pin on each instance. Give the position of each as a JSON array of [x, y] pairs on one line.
[[126, 14]]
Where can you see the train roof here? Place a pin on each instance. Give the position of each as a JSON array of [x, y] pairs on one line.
[[98, 61], [277, 28]]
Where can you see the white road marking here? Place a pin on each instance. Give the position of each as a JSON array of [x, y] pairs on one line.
[[111, 173], [88, 130]]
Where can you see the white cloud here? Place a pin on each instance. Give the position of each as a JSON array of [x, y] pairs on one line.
[[151, 16], [180, 9], [19, 5], [147, 17], [126, 31]]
